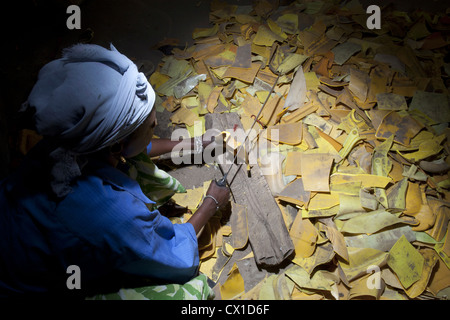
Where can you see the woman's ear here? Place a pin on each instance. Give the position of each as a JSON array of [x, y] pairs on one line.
[[117, 148]]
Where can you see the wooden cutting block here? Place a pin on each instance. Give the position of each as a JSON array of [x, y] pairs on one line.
[[268, 235]]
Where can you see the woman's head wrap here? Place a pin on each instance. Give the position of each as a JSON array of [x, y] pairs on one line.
[[89, 99]]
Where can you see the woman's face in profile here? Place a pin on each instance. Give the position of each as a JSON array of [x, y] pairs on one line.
[[139, 139]]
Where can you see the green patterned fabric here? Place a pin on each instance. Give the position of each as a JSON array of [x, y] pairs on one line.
[[196, 289], [156, 184]]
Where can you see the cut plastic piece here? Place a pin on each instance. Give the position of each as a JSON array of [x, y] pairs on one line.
[[316, 171], [406, 262], [239, 225], [352, 139]]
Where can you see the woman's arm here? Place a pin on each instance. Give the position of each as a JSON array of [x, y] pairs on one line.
[[209, 206], [162, 146]]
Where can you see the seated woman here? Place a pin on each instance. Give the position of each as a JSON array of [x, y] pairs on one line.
[[68, 204]]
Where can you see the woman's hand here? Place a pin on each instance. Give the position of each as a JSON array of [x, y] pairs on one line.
[[209, 206], [221, 194]]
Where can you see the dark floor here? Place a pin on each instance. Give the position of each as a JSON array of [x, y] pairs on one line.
[[38, 33]]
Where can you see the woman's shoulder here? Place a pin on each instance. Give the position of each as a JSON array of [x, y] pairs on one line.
[[100, 204]]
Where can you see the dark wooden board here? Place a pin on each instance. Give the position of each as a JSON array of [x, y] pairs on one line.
[[268, 235]]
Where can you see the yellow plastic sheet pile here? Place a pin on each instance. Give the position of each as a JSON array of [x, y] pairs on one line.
[[359, 123]]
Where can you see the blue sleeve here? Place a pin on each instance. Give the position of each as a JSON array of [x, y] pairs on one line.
[[169, 252], [119, 224]]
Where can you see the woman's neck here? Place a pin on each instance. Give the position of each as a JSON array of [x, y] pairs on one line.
[[106, 156]]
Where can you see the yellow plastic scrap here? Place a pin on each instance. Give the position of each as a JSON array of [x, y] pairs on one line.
[[190, 199], [270, 113], [413, 199], [245, 18], [213, 98], [370, 222], [222, 59], [227, 249], [239, 225], [404, 127], [350, 188], [302, 279], [443, 249], [167, 88], [266, 291], [396, 196], [351, 121], [336, 238], [207, 265], [157, 79], [361, 290], [359, 83], [367, 180], [352, 139], [421, 137], [205, 32], [315, 168], [320, 213], [185, 115], [299, 113], [294, 192], [243, 57], [349, 204], [312, 81], [175, 68], [304, 236], [391, 101], [381, 166], [233, 287], [266, 37], [344, 51], [430, 260], [425, 214], [434, 105], [292, 163], [288, 23], [368, 200], [406, 262], [277, 59], [352, 117], [440, 279], [426, 149], [360, 259], [314, 120], [288, 133], [323, 254], [323, 201], [321, 145], [275, 28], [413, 174], [243, 74], [282, 287], [290, 62], [198, 128]]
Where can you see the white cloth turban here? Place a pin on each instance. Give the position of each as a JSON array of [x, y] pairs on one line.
[[89, 99]]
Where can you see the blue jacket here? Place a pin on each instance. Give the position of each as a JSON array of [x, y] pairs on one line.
[[104, 227]]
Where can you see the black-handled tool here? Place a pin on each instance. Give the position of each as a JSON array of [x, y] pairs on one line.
[[223, 181]]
